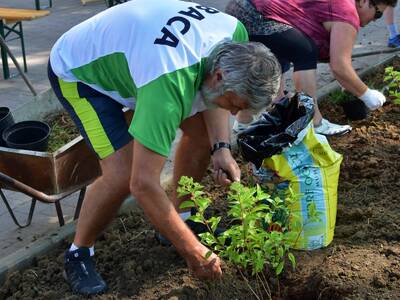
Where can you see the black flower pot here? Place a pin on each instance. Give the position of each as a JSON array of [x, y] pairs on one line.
[[355, 109], [28, 135], [6, 120]]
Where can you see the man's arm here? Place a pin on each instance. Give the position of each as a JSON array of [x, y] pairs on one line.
[[225, 167], [145, 186]]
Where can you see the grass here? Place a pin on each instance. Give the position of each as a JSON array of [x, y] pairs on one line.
[[63, 130]]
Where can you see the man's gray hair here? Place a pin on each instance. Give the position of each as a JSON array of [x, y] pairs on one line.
[[249, 69]]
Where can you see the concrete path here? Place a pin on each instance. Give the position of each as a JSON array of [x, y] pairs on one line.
[[40, 35]]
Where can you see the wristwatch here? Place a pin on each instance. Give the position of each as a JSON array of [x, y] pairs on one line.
[[220, 145]]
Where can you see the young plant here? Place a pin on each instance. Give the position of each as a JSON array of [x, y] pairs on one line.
[[339, 97], [392, 76], [263, 230]]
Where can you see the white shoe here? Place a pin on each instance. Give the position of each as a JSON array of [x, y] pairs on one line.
[[327, 128]]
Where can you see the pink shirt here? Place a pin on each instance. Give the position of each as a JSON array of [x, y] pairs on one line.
[[308, 16]]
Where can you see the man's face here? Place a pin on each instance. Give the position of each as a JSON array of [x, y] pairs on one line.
[[215, 97]]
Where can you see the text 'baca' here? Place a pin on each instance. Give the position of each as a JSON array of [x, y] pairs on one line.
[[168, 38]]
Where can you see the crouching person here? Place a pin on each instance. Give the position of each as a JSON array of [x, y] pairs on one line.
[[177, 65]]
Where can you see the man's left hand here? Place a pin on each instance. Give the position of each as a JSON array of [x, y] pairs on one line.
[[226, 170]]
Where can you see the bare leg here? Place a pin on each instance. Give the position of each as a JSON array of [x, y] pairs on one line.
[[192, 155], [104, 196], [306, 81], [388, 14]]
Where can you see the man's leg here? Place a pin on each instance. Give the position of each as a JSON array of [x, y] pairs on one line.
[[104, 196], [192, 155]]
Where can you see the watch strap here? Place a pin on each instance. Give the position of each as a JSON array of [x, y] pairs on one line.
[[220, 145]]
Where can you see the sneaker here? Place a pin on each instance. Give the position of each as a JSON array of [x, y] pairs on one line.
[[80, 272], [394, 42], [329, 129]]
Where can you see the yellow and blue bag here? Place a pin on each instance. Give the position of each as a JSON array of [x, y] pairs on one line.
[[283, 143]]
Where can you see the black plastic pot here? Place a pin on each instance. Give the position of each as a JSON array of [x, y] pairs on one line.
[[355, 109], [28, 135], [6, 120]]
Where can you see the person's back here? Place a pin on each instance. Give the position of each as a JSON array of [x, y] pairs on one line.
[[139, 41], [308, 16]]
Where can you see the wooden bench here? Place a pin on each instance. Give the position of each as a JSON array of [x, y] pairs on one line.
[[11, 22]]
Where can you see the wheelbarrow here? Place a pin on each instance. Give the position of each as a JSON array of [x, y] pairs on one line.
[[48, 177]]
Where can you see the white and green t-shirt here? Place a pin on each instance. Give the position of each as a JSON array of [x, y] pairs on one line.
[[148, 55]]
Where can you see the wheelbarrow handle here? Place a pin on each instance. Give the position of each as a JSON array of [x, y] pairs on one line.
[[14, 184]]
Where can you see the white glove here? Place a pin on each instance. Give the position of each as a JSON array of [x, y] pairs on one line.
[[373, 99]]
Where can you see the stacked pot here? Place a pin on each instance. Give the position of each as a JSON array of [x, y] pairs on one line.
[[28, 135]]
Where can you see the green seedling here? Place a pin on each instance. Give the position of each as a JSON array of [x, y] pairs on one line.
[[339, 97], [392, 77], [263, 231]]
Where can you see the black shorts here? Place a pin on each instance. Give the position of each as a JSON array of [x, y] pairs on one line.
[[288, 44]]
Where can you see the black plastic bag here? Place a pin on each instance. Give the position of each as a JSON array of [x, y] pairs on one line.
[[276, 129]]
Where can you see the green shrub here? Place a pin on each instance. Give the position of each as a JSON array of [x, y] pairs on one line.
[[263, 230], [392, 76]]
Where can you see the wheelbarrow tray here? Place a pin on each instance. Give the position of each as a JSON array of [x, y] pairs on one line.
[[68, 169]]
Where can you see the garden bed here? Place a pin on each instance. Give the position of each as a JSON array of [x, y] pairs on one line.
[[363, 262]]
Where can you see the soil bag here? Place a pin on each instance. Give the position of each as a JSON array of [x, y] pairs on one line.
[[285, 150]]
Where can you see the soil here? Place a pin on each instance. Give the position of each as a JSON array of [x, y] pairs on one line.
[[363, 261]]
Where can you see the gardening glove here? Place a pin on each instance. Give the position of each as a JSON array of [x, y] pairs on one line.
[[373, 99]]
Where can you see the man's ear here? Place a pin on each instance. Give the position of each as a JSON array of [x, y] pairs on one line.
[[217, 78]]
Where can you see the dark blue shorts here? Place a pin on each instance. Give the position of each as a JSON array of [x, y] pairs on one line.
[[100, 119]]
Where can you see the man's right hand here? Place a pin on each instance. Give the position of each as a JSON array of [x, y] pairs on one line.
[[201, 267]]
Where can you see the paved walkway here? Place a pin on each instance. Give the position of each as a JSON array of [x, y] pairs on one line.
[[40, 35]]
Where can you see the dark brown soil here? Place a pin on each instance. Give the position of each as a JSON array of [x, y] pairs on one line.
[[363, 262]]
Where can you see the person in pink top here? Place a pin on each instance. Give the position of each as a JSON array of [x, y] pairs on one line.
[[302, 32]]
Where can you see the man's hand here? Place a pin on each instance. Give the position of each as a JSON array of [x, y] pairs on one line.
[[201, 267], [226, 170]]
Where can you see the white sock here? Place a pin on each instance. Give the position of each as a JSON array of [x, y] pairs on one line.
[[75, 247], [185, 215], [392, 30]]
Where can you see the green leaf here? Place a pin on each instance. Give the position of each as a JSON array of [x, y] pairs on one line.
[[208, 254], [279, 268], [281, 252], [292, 259], [187, 204], [196, 219]]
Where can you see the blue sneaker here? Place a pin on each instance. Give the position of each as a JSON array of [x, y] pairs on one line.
[[80, 272], [394, 42]]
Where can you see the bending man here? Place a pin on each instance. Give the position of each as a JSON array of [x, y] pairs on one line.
[[177, 65]]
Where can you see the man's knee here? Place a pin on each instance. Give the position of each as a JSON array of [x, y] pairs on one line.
[[116, 168]]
